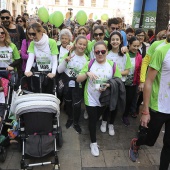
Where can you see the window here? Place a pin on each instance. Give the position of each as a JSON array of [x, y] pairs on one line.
[[70, 2], [57, 2], [81, 2], [105, 4], [93, 3]]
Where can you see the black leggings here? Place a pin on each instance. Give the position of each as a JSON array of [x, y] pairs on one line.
[[154, 127], [94, 113], [73, 104], [109, 114]]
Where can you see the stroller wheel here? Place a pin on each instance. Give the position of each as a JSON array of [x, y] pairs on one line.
[[59, 137], [57, 167], [3, 154]]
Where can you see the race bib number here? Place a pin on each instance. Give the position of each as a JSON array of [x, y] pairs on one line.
[[70, 72], [44, 64], [5, 56]]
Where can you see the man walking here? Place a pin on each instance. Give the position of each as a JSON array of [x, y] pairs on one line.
[[156, 106]]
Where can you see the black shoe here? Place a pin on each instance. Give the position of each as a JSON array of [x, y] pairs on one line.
[[69, 123], [77, 128]]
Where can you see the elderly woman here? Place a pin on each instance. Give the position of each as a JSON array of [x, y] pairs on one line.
[[65, 37]]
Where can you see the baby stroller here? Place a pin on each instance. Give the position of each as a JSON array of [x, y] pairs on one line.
[[39, 130], [11, 80]]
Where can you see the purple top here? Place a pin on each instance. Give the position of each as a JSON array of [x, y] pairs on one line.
[[24, 54]]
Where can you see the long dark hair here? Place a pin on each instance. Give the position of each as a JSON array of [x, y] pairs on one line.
[[120, 46]]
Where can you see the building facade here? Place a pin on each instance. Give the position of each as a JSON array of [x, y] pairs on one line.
[[93, 8], [16, 7]]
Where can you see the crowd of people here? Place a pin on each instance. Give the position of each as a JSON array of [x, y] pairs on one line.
[[101, 62]]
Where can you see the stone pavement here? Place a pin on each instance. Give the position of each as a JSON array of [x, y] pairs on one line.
[[75, 153]]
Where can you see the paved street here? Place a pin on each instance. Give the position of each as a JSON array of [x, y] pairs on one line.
[[75, 153]]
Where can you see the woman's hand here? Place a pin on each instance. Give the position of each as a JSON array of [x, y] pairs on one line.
[[124, 49], [69, 58], [104, 86], [91, 76], [9, 68], [51, 75], [28, 74]]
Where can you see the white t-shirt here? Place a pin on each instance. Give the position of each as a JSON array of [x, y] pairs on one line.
[[104, 73], [62, 52], [123, 62], [75, 65], [5, 56]]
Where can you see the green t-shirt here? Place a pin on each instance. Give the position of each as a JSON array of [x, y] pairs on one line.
[[104, 72], [160, 95], [155, 46]]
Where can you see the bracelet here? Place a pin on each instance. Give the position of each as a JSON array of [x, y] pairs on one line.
[[145, 113]]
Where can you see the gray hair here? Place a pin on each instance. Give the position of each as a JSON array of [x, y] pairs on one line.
[[66, 32]]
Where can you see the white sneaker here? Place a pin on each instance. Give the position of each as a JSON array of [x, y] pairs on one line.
[[86, 116], [94, 149], [103, 126], [111, 130]]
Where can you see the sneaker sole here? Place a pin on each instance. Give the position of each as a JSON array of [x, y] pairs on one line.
[[130, 157]]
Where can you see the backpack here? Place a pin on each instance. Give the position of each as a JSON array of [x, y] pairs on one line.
[[92, 61]]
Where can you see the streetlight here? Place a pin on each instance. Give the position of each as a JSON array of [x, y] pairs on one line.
[[36, 10], [25, 5], [70, 9]]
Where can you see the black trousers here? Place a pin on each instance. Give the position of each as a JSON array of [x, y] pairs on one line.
[[130, 95], [73, 103], [94, 113], [111, 115], [154, 127]]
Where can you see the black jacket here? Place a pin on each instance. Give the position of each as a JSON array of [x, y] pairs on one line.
[[115, 96]]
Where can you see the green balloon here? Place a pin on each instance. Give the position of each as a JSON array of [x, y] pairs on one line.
[[43, 14], [104, 17], [81, 17], [51, 19], [57, 18]]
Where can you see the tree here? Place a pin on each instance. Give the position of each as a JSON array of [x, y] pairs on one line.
[[162, 17]]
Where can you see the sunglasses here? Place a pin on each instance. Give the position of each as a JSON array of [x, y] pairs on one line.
[[7, 18], [32, 34], [20, 21], [113, 28], [100, 34], [98, 52], [2, 33]]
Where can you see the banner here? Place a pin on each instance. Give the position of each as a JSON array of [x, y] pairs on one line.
[[149, 19]]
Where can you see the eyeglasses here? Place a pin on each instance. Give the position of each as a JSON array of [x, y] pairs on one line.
[[32, 34], [100, 34], [2, 33], [7, 18], [113, 28], [98, 52], [20, 21]]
